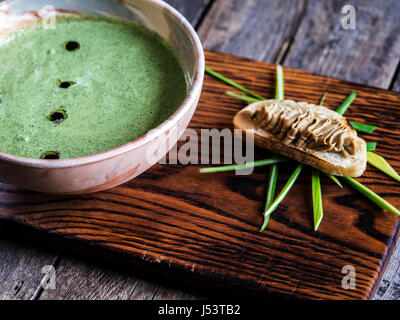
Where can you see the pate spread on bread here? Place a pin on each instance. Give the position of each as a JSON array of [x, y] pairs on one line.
[[308, 133]]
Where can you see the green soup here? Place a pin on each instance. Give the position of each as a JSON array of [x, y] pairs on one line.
[[90, 85]]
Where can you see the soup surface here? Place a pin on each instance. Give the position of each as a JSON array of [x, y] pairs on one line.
[[87, 86]]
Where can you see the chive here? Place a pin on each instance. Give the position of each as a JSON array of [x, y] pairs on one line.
[[346, 104], [279, 87], [371, 146], [318, 210], [1, 97], [253, 164], [273, 171], [380, 202], [273, 177], [362, 127], [271, 186], [323, 98], [241, 97], [334, 179], [380, 163], [317, 198], [289, 184], [232, 83]]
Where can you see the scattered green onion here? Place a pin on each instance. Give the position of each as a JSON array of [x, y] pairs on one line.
[[273, 178], [279, 87], [371, 146], [242, 97], [380, 163], [318, 210], [346, 104], [273, 171], [247, 165], [317, 198], [334, 179], [323, 98], [362, 127], [1, 97], [289, 184], [380, 202], [232, 83]]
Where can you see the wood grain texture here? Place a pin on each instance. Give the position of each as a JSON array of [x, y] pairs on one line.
[[396, 81], [166, 293], [21, 270], [77, 280], [254, 29], [21, 264], [207, 225], [369, 54], [192, 9], [389, 288]]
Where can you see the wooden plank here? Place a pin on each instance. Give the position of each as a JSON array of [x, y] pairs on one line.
[[167, 293], [252, 29], [369, 54], [396, 81], [145, 290], [20, 266], [77, 280], [192, 10], [170, 216], [389, 288], [21, 270]]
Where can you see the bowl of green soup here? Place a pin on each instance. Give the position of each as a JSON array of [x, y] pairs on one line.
[[92, 93]]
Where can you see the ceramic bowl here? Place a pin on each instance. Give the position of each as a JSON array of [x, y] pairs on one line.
[[110, 168]]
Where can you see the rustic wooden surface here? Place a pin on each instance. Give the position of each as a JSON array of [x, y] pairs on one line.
[[207, 225], [301, 34]]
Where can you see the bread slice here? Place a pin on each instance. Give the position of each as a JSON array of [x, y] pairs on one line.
[[308, 133]]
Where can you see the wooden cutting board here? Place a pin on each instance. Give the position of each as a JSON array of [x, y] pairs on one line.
[[205, 226]]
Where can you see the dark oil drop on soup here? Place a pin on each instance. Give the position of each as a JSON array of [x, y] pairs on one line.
[[121, 80]]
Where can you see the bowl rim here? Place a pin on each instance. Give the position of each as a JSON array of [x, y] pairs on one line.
[[191, 96]]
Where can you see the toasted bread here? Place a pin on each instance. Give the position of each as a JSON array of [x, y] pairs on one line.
[[308, 133]]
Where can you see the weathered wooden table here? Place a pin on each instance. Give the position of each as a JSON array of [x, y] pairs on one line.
[[296, 33]]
